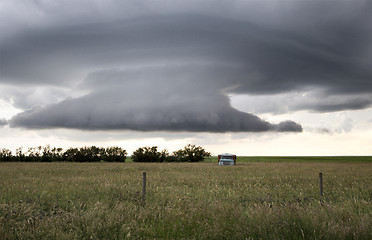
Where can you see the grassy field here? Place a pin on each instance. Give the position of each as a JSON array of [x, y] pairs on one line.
[[297, 159], [244, 159], [253, 200]]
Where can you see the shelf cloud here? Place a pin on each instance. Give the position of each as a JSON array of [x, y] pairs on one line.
[[172, 69]]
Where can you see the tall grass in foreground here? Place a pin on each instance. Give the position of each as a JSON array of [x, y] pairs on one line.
[[185, 201]]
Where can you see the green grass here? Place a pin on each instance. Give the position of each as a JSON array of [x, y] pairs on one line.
[[241, 159], [253, 200]]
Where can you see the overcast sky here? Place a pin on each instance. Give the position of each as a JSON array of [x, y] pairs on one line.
[[291, 77]]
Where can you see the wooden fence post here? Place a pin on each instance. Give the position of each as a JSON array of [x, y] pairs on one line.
[[321, 183], [143, 187]]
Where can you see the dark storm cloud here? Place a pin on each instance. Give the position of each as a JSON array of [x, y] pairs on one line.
[[153, 118], [3, 122], [172, 71], [148, 106]]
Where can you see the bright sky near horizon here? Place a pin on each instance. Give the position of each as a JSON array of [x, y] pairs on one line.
[[250, 77]]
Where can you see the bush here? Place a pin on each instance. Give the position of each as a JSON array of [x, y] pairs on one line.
[[95, 154], [149, 154], [171, 158], [191, 153], [114, 154], [48, 154], [5, 155]]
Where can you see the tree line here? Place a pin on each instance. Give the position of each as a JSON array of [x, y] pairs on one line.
[[48, 154], [189, 153]]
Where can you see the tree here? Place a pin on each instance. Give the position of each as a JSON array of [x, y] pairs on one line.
[[57, 154], [83, 154], [5, 155], [114, 154], [20, 156], [34, 154], [149, 154], [191, 153], [47, 154], [70, 155]]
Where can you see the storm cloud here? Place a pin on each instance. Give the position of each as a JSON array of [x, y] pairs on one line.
[[3, 122], [170, 69], [148, 106]]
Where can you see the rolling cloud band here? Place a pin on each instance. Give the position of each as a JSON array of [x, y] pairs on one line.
[[173, 70]]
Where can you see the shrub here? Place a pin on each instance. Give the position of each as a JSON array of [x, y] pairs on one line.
[[149, 154], [70, 155], [5, 155], [170, 158], [191, 153], [114, 154]]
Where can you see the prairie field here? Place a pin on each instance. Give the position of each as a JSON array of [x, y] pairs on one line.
[[252, 200]]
